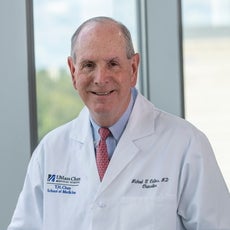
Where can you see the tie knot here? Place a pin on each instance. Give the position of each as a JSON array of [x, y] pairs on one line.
[[104, 133]]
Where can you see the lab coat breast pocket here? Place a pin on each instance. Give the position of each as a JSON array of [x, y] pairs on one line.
[[148, 213]]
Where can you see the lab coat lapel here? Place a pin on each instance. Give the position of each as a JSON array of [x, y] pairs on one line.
[[82, 133], [138, 127], [124, 153], [88, 160]]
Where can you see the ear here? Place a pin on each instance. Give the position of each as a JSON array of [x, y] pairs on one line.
[[135, 66], [72, 70]]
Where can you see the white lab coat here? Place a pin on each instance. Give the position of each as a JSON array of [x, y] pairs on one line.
[[163, 176]]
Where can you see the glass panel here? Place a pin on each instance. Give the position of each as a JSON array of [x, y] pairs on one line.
[[206, 26], [54, 23]]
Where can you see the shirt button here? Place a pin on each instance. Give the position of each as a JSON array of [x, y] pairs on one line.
[[101, 204]]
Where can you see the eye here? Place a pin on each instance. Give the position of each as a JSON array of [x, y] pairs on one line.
[[113, 63], [88, 65]]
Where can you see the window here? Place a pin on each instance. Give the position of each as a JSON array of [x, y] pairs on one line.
[[206, 26], [54, 24]]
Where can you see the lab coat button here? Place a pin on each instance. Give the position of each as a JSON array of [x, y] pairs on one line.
[[101, 205]]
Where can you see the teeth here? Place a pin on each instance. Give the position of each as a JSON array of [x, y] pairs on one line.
[[105, 93]]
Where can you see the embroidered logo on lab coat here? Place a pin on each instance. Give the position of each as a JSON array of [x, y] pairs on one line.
[[149, 183], [62, 184]]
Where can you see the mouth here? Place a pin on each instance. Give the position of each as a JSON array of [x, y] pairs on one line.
[[106, 93]]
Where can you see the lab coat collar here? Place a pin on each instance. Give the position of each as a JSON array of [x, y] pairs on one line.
[[140, 124], [142, 119], [81, 129]]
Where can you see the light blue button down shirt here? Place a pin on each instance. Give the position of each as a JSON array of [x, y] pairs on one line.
[[116, 129]]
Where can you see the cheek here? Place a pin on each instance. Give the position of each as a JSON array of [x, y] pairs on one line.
[[131, 77], [130, 82], [81, 82]]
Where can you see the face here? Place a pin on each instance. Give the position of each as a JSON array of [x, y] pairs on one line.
[[102, 74]]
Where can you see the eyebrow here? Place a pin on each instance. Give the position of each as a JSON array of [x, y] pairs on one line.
[[112, 59]]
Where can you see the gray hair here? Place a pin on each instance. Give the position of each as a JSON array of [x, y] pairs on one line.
[[124, 30]]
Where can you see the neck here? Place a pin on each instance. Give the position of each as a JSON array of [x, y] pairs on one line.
[[104, 120]]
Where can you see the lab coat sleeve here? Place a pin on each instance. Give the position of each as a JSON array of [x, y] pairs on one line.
[[204, 201], [29, 210]]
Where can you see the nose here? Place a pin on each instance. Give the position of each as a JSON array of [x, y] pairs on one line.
[[101, 76]]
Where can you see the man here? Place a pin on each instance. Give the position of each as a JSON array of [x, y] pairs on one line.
[[161, 171]]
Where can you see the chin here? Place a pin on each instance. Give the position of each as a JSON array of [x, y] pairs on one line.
[[102, 112]]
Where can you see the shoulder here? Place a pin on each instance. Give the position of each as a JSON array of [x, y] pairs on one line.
[[66, 132], [163, 122]]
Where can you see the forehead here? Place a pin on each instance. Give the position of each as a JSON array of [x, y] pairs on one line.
[[99, 37]]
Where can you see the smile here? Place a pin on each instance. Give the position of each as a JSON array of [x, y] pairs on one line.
[[103, 93]]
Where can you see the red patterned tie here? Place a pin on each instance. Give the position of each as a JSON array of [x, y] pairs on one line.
[[102, 157]]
